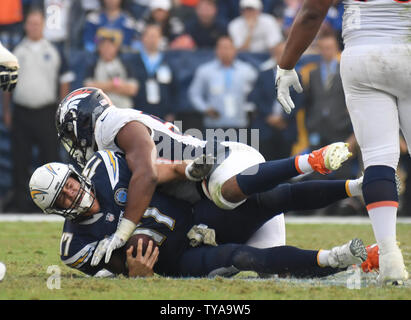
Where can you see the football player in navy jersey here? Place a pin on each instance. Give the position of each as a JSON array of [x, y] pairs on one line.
[[87, 121], [93, 204]]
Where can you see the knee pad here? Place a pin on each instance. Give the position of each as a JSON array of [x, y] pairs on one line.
[[240, 158], [379, 184]]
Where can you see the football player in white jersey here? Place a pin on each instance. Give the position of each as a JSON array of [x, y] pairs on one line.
[[376, 75], [86, 121], [8, 69]]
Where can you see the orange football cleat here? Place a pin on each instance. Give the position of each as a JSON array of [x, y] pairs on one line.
[[329, 158], [372, 262]]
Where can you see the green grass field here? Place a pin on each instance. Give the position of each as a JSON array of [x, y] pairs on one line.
[[28, 249]]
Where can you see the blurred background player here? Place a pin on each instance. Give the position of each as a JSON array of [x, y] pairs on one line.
[[44, 78], [376, 73]]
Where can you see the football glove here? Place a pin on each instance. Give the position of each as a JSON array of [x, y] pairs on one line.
[[8, 78], [284, 79], [115, 241], [200, 168], [8, 69]]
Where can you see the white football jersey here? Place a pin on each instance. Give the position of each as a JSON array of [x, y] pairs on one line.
[[376, 21], [166, 135]]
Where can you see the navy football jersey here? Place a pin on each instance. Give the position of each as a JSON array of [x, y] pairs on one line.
[[166, 218]]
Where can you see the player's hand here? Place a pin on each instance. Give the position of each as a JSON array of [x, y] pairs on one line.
[[284, 79], [8, 77], [199, 168], [142, 265], [9, 68], [106, 247]]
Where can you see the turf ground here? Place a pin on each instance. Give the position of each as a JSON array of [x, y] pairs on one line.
[[29, 248]]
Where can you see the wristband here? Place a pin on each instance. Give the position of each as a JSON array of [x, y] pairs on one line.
[[125, 229]]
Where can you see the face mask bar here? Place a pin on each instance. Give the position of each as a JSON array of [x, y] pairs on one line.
[[83, 201]]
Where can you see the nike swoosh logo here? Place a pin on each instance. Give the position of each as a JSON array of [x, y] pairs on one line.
[[103, 118]]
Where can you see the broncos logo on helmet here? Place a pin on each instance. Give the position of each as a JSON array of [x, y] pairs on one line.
[[75, 121]]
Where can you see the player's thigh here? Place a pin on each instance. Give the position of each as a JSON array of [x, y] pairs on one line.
[[236, 225], [373, 113], [240, 158]]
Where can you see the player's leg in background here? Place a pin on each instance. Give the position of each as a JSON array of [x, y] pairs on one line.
[[229, 188], [272, 231], [228, 259], [374, 116], [307, 195]]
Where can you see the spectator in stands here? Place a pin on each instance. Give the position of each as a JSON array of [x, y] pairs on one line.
[[157, 92], [230, 9], [254, 31], [57, 16], [327, 117], [44, 80], [160, 13], [11, 17], [204, 28], [185, 9], [138, 8], [111, 74], [111, 17], [277, 129], [220, 88]]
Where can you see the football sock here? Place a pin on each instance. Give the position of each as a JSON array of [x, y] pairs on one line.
[[322, 258], [302, 164], [354, 187], [381, 199], [266, 175]]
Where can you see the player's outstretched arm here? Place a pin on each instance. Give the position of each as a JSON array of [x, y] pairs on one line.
[[302, 33], [135, 140], [193, 170]]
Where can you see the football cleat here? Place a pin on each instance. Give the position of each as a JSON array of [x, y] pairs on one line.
[[391, 266], [329, 158], [353, 252], [372, 262]]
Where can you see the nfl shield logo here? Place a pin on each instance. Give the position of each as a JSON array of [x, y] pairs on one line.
[[120, 196]]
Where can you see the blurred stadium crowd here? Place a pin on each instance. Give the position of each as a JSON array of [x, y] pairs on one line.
[[205, 64]]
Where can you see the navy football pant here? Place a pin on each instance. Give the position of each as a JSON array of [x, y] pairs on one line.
[[284, 260]]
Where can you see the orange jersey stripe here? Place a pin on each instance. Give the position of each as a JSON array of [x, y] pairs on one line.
[[382, 204]]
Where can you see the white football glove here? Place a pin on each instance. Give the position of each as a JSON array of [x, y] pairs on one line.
[[9, 67], [115, 241], [200, 167], [284, 79]]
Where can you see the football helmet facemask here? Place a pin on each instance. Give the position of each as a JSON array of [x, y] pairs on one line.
[[76, 117], [48, 181]]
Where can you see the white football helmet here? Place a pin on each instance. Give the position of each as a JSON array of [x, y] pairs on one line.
[[47, 182]]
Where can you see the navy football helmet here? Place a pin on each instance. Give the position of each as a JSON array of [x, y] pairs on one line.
[[76, 117]]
